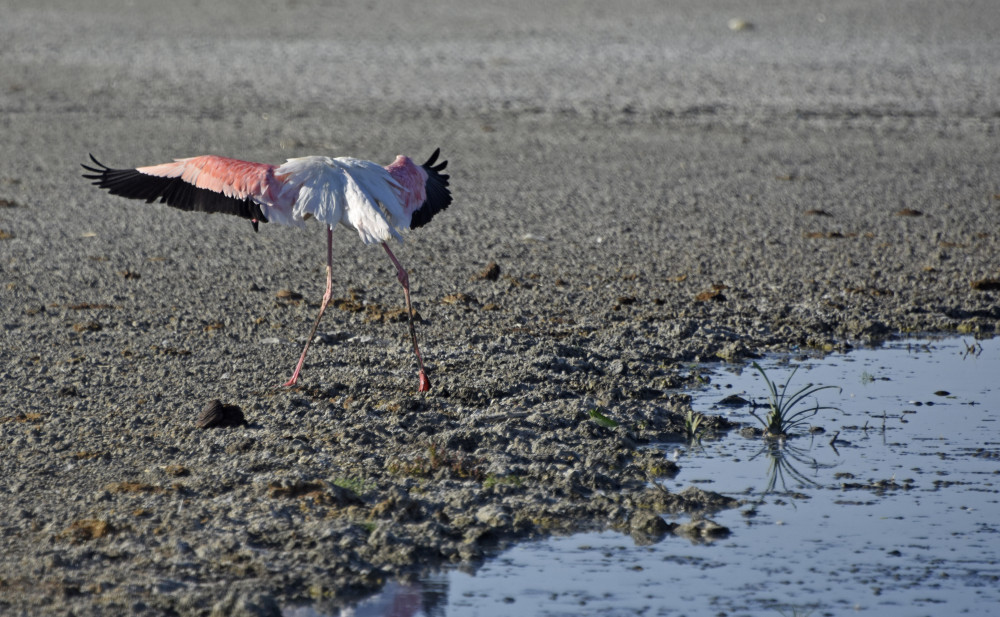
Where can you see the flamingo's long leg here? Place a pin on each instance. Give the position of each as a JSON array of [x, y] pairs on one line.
[[425, 384], [322, 306]]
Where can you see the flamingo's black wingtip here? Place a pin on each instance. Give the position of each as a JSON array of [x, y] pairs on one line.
[[100, 170], [432, 158], [436, 187], [430, 165]]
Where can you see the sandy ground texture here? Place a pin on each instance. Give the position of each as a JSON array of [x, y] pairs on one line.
[[654, 187]]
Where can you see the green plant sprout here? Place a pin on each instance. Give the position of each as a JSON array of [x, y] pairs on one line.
[[693, 428], [354, 484], [781, 418], [602, 419], [493, 480]]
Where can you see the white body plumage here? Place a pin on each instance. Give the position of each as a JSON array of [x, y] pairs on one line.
[[359, 194]]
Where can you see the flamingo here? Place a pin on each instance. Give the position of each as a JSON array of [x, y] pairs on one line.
[[377, 202]]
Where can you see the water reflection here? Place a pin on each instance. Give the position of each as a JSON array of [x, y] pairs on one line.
[[782, 460]]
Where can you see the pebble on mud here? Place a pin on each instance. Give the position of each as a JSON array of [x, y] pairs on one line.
[[702, 529], [736, 24], [490, 273], [215, 414], [714, 295], [648, 523], [88, 529], [986, 285], [288, 294]]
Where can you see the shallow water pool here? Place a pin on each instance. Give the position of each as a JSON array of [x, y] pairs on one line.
[[898, 516]]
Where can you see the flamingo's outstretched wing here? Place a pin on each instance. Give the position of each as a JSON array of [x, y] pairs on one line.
[[436, 188], [202, 183]]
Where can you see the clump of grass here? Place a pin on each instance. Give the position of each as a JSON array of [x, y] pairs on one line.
[[354, 484], [693, 428], [602, 419], [492, 480], [782, 418]]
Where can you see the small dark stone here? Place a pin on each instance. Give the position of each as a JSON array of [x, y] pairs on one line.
[[714, 296], [648, 523], [288, 294], [734, 400], [617, 368], [69, 391], [703, 529], [986, 285], [215, 414], [491, 273]]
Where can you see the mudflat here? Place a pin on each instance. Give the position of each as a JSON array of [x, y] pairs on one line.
[[639, 187]]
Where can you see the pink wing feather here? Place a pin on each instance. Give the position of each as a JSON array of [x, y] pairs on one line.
[[231, 177], [202, 183]]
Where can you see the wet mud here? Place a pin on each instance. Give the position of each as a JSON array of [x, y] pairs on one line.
[[606, 237]]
